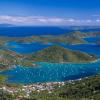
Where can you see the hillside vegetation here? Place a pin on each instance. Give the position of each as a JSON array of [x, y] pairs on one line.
[[9, 59], [60, 54], [85, 89]]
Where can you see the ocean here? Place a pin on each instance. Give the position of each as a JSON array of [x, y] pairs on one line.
[[41, 30], [49, 72]]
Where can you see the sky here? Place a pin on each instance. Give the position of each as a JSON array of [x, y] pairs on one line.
[[50, 12]]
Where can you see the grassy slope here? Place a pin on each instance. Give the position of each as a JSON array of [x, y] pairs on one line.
[[60, 54], [2, 79], [70, 38], [86, 89], [10, 58]]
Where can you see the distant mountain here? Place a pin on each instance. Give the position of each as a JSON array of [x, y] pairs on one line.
[[79, 34], [80, 28], [6, 25], [60, 54], [58, 39]]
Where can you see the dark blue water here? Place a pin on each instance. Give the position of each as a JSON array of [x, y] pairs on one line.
[[51, 72], [42, 30], [92, 39], [26, 48], [29, 31], [48, 72], [92, 49]]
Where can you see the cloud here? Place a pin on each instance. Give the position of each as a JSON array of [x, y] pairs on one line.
[[33, 20], [41, 20], [98, 20]]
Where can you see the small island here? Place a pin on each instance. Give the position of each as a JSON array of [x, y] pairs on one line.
[[60, 54]]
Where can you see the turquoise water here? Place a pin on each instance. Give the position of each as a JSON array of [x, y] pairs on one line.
[[51, 72]]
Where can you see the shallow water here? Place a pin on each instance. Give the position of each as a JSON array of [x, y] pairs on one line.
[[51, 72]]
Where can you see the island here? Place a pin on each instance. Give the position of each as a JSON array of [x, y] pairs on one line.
[[61, 55]]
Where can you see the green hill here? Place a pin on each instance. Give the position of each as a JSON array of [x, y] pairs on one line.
[[60, 54], [8, 59], [85, 89]]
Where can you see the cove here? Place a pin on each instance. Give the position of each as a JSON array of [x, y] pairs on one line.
[[51, 72]]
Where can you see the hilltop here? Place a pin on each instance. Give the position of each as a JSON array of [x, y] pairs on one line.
[[60, 54], [84, 34], [75, 37], [8, 59]]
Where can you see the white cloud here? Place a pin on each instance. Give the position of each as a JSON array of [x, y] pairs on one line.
[[88, 21], [70, 20], [33, 20], [40, 20], [98, 20]]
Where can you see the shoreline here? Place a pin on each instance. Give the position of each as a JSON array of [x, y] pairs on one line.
[[94, 61], [37, 87], [36, 64], [52, 82]]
